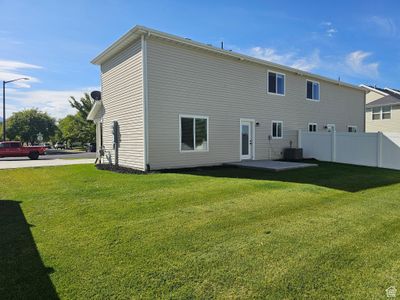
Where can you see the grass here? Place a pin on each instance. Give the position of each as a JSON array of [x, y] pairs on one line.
[[75, 232]]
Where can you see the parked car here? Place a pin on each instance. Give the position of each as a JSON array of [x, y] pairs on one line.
[[15, 149], [47, 145], [91, 147], [59, 145]]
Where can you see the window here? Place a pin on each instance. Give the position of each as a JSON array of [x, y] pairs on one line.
[[277, 129], [14, 145], [376, 113], [312, 90], [276, 83], [194, 133], [386, 112], [352, 128], [312, 127]]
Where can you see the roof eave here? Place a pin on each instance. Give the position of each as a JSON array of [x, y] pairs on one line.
[[94, 111], [138, 30], [369, 89], [118, 45]]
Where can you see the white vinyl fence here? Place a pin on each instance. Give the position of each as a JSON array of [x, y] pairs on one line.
[[366, 149]]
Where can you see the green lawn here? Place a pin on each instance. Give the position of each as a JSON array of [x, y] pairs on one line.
[[75, 232]]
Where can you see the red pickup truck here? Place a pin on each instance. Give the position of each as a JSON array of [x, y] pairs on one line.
[[15, 149]]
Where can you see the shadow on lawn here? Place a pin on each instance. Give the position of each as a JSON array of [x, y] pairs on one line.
[[349, 178], [22, 273]]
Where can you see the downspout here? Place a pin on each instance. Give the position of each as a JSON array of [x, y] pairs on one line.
[[145, 103]]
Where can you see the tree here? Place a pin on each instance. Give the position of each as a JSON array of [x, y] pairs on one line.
[[27, 124], [75, 128], [84, 105]]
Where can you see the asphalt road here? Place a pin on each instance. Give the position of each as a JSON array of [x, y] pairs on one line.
[[56, 154]]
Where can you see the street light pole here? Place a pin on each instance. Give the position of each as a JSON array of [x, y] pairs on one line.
[[4, 103], [4, 111]]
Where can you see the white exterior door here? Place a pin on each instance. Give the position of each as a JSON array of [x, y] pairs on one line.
[[246, 139]]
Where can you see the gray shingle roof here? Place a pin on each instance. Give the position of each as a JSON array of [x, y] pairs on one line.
[[387, 100]]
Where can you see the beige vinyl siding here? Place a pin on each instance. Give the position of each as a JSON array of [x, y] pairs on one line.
[[386, 125], [122, 93], [372, 96], [185, 80]]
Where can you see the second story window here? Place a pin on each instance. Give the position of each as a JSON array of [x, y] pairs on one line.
[[376, 113], [276, 83], [386, 112], [312, 90], [382, 113]]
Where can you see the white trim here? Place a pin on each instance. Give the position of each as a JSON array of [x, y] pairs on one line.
[[352, 126], [92, 115], [319, 90], [145, 103], [374, 90], [253, 138], [393, 91], [194, 117], [312, 123], [376, 113], [380, 113], [390, 112], [272, 130], [276, 83]]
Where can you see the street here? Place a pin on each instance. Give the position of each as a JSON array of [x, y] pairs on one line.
[[53, 158]]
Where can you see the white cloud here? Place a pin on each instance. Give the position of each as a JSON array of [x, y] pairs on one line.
[[386, 25], [326, 23], [15, 65], [291, 59], [330, 31], [54, 102], [356, 63], [10, 69]]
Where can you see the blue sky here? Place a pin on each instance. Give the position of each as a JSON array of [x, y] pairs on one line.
[[52, 42]]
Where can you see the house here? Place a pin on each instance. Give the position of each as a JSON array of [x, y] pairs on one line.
[[382, 109], [170, 102]]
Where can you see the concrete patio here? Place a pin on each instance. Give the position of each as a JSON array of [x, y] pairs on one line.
[[271, 165]]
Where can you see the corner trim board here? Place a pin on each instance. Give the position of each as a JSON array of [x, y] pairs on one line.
[[145, 102]]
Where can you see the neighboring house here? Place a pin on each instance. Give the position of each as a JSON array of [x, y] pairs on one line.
[[382, 109], [173, 103]]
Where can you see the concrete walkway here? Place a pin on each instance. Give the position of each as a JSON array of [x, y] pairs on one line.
[[27, 163], [272, 165]]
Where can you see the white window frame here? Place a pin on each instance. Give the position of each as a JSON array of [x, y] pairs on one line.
[[276, 83], [330, 125], [376, 113], [352, 126], [319, 90], [390, 112], [380, 113], [194, 133], [272, 130], [316, 127]]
